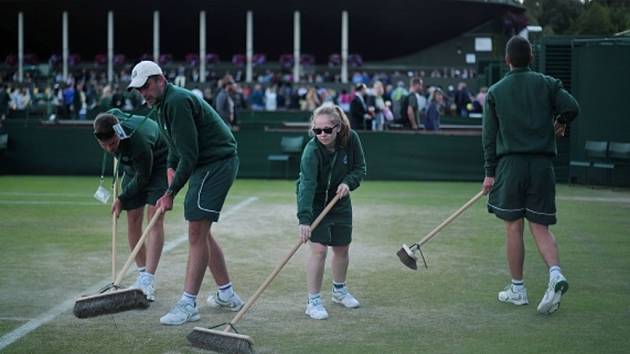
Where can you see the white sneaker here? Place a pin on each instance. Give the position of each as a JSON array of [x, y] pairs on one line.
[[233, 304], [551, 300], [315, 310], [345, 298], [515, 297], [182, 312], [145, 284]]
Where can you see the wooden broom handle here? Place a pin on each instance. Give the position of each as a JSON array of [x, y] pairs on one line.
[[114, 222], [136, 249], [272, 276], [434, 232]]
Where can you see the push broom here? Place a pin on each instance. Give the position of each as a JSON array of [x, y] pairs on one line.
[[409, 254], [114, 230], [228, 341], [117, 300]]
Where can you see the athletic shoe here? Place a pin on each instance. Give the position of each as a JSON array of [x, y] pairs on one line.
[[182, 312], [233, 304], [344, 298], [551, 300], [145, 284], [516, 297], [315, 310]]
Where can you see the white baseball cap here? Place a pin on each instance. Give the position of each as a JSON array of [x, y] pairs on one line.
[[141, 72]]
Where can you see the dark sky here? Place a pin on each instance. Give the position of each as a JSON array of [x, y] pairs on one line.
[[378, 30]]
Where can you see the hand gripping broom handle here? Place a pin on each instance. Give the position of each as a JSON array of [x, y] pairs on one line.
[[278, 268], [136, 249], [114, 222], [434, 232]]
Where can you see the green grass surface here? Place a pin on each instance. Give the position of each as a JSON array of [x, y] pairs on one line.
[[55, 243]]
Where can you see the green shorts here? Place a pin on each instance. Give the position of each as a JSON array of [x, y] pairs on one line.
[[207, 189], [334, 230], [152, 191], [524, 187]]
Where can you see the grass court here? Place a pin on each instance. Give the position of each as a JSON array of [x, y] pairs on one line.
[[56, 240]]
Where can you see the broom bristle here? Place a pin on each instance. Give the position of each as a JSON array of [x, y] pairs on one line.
[[112, 302], [407, 259], [221, 341]]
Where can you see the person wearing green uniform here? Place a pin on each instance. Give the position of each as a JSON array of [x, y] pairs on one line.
[[332, 163], [523, 114], [202, 153], [136, 143]]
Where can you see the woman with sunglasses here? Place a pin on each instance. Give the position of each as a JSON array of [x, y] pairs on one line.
[[332, 163]]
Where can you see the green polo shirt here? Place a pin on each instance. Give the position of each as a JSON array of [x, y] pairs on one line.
[[321, 172], [195, 133], [519, 115], [144, 151]]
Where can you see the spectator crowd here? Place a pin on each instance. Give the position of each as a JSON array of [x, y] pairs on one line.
[[374, 101]]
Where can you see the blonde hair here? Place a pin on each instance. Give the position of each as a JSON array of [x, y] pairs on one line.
[[337, 116]]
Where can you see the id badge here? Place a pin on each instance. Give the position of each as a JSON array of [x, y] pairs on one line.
[[102, 194]]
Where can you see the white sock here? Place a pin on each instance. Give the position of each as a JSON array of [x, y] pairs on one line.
[[517, 284], [142, 269], [226, 291], [190, 298], [313, 297], [147, 275], [339, 287], [554, 271]]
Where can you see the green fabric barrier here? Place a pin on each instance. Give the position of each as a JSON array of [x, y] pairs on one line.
[[273, 117], [599, 79], [276, 118], [63, 149], [34, 148]]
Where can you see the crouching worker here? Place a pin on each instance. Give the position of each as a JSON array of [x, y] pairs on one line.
[[332, 163], [141, 151]]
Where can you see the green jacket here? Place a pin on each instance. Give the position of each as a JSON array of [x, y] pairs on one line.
[[321, 172], [519, 115], [195, 133], [142, 153]]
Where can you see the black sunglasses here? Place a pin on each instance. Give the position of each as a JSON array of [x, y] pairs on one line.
[[328, 130]]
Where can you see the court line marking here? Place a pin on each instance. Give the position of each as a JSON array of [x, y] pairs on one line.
[[621, 200], [49, 315], [47, 202], [43, 194], [19, 319], [56, 202]]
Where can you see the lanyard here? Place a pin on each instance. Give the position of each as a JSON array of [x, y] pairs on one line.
[[103, 166], [129, 115], [332, 166]]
